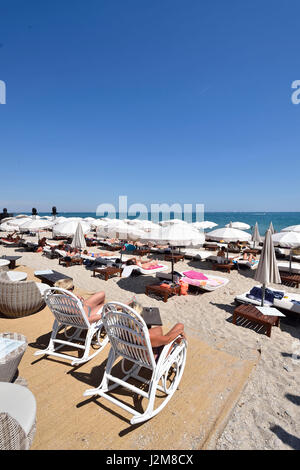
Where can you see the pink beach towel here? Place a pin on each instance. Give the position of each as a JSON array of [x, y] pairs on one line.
[[154, 267], [195, 275]]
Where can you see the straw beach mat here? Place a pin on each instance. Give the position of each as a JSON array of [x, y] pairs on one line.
[[193, 419]]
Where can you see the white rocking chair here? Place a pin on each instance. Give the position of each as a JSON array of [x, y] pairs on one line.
[[129, 338], [69, 313]]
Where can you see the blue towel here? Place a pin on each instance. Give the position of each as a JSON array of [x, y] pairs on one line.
[[270, 295]]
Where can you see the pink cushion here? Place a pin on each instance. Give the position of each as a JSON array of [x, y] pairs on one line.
[[195, 275]]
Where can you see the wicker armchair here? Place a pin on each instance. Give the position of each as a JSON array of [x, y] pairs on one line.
[[18, 299], [9, 363], [17, 417]]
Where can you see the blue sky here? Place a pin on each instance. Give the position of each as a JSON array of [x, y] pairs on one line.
[[162, 101]]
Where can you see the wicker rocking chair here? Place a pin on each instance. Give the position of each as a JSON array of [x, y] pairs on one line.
[[70, 315], [129, 339]]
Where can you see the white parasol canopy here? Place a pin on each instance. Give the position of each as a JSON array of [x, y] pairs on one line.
[[228, 234], [34, 225], [167, 223], [286, 239], [291, 228], [17, 222], [68, 228], [115, 228], [238, 225], [205, 224], [8, 228], [176, 235]]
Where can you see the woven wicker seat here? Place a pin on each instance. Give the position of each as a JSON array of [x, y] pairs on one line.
[[77, 332], [18, 299], [9, 363], [17, 417]]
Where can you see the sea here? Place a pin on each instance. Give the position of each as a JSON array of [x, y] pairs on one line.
[[279, 220]]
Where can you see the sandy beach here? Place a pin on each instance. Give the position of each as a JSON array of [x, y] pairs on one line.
[[267, 413]]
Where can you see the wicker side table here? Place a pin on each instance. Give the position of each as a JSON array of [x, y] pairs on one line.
[[9, 361]]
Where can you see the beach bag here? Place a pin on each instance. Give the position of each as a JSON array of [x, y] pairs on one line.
[[183, 288]]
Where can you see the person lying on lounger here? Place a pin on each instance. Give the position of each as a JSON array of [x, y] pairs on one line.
[[248, 257], [42, 242], [141, 264], [10, 238]]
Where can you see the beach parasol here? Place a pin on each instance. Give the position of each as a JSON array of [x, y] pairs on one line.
[[114, 228], [287, 240], [78, 239], [291, 228], [267, 270], [175, 235], [228, 234], [167, 223], [68, 228], [205, 224], [256, 238], [35, 225], [238, 225], [271, 228]]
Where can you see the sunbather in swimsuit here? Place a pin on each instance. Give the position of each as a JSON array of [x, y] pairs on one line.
[[141, 264]]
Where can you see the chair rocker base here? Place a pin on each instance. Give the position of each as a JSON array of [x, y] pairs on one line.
[[175, 361], [56, 344]]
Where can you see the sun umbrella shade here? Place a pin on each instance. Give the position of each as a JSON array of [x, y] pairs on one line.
[[35, 225], [291, 228], [271, 228], [8, 228], [267, 271], [204, 225], [176, 235], [228, 234], [238, 225], [256, 238], [115, 228], [78, 239], [286, 239], [167, 223], [17, 222], [68, 228]]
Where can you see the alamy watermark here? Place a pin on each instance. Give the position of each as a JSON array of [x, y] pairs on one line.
[[2, 92], [296, 94], [155, 212]]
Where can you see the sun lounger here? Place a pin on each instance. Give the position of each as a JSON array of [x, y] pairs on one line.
[[127, 270], [285, 266], [206, 282], [289, 302], [10, 243], [248, 264], [202, 255]]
